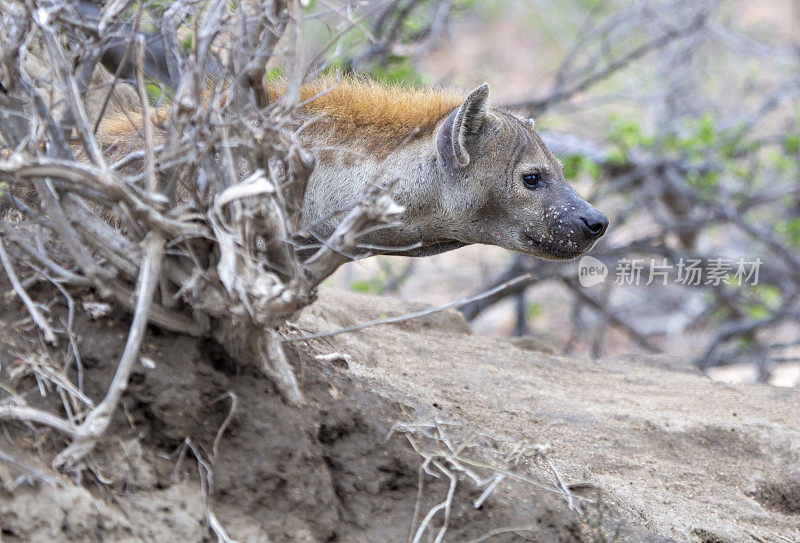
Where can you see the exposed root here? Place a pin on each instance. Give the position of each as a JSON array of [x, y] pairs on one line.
[[86, 434], [460, 456]]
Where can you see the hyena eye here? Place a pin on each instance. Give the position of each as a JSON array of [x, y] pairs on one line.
[[532, 180]]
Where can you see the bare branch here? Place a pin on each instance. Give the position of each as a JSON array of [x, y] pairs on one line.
[[37, 317], [96, 422], [394, 320]]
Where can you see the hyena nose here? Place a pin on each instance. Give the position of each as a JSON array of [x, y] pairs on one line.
[[594, 224]]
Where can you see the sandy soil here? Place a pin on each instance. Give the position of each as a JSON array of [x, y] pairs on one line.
[[685, 456], [674, 454], [330, 470]]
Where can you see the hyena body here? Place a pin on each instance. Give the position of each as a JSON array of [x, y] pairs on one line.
[[465, 172]]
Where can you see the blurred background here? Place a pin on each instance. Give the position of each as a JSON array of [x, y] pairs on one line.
[[679, 119]]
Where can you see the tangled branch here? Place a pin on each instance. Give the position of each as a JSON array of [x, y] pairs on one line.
[[188, 218]]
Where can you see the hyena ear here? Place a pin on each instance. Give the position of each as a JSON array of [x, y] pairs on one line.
[[462, 126]]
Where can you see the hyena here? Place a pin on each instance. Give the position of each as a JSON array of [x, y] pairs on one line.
[[465, 172]]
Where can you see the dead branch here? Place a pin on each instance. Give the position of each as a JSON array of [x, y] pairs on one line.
[[375, 208], [560, 94], [224, 426], [85, 436], [149, 154], [36, 315], [446, 450], [424, 313]]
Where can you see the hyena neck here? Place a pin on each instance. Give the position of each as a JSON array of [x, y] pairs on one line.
[[342, 172]]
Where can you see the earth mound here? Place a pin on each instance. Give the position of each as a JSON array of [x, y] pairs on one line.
[[407, 429]]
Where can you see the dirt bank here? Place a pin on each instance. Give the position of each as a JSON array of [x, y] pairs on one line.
[[669, 453]]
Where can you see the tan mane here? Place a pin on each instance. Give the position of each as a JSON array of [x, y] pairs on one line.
[[353, 110], [367, 103]]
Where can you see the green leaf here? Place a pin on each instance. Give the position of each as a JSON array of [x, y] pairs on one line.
[[398, 71], [368, 286], [706, 132], [275, 73], [153, 93], [791, 143], [574, 165], [763, 300], [706, 183], [534, 310], [790, 230]]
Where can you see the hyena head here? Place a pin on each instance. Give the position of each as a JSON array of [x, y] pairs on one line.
[[506, 188]]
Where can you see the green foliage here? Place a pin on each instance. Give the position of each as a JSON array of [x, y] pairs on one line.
[[154, 93], [705, 132], [275, 73], [413, 24], [373, 285], [702, 140], [618, 156], [381, 279], [700, 134], [791, 144], [778, 159], [729, 154], [706, 183], [626, 135], [731, 146], [756, 311], [336, 66], [771, 295], [534, 309], [159, 93], [764, 300], [398, 71], [574, 165], [465, 4], [760, 302], [791, 231], [3, 187]]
